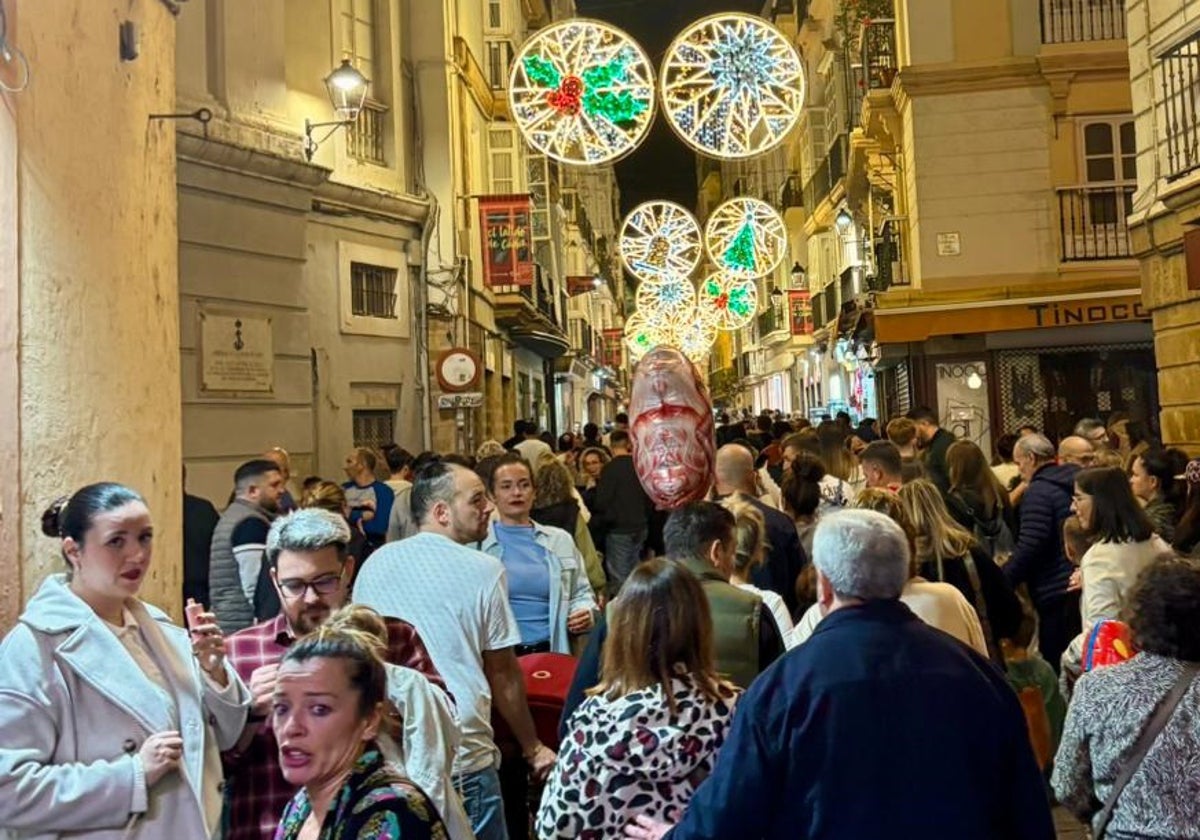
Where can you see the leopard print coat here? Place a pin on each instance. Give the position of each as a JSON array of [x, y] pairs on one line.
[[632, 756]]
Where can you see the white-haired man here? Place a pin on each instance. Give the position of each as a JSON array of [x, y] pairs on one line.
[[878, 726]]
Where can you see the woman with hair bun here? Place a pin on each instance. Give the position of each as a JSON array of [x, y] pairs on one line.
[[111, 717], [328, 715]]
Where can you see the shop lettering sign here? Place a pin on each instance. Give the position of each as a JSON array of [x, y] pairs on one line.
[[1066, 314]]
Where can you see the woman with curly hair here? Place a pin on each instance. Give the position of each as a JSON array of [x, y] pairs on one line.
[[556, 503]]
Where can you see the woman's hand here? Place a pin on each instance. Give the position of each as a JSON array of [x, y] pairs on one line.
[[644, 828], [208, 645], [160, 755], [581, 621]]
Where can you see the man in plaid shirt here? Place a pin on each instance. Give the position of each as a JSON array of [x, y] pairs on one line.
[[312, 575]]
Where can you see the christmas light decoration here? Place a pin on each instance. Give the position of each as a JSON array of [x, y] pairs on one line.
[[730, 302], [666, 299], [582, 92], [745, 237], [732, 86], [659, 239], [695, 335]]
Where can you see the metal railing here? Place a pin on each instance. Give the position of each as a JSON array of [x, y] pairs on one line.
[[889, 260], [1092, 222], [831, 170], [792, 194], [372, 290], [364, 136], [769, 320], [878, 41], [1069, 21], [1179, 72]]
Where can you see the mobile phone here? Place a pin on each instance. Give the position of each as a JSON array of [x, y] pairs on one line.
[[192, 613]]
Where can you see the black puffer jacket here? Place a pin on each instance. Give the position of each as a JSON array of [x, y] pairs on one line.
[[1038, 559]]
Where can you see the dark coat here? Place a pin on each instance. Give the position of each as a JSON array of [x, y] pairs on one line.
[[935, 459], [1001, 603], [1039, 560], [785, 556], [877, 726]]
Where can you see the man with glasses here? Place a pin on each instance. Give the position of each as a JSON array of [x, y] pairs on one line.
[[306, 554], [1094, 432]]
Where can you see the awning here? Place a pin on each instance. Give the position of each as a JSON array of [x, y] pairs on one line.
[[917, 323]]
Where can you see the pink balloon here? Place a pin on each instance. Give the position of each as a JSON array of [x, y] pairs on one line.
[[672, 429]]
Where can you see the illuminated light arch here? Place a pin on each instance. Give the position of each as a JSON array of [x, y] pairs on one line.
[[728, 301], [582, 92], [732, 86], [745, 238], [660, 239]]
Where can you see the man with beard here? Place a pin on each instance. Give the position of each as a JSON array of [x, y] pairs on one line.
[[311, 572], [236, 556], [459, 598]]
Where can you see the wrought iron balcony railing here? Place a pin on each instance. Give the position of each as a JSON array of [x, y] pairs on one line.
[[1069, 21], [1092, 222]]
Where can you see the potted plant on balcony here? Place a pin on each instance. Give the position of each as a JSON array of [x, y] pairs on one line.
[[853, 15]]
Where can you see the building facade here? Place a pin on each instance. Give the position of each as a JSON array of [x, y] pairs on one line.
[[1164, 62], [967, 220]]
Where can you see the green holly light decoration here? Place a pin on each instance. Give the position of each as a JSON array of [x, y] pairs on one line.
[[740, 253], [739, 302], [542, 72], [616, 107]]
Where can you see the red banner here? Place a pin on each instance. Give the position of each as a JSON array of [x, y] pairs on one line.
[[800, 313], [614, 348], [507, 240], [578, 284]]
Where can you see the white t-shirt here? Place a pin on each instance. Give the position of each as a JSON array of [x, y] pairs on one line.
[[779, 610], [457, 598], [939, 605]]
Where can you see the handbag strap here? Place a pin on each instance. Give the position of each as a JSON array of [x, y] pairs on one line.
[[1145, 741]]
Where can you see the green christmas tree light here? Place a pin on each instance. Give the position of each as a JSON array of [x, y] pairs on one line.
[[740, 253]]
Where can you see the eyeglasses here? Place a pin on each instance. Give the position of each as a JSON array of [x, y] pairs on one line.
[[295, 588]]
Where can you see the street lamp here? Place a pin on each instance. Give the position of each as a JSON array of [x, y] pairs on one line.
[[347, 89], [843, 220], [797, 275]]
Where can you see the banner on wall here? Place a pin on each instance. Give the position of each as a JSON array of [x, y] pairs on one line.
[[507, 240], [614, 343], [800, 312]]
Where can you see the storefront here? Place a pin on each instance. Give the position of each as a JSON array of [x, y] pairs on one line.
[[990, 368]]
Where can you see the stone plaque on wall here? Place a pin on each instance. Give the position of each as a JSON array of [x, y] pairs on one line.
[[236, 352]]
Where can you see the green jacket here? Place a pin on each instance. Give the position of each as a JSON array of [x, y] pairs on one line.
[[735, 617]]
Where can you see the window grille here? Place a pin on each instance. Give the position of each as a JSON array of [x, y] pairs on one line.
[[372, 290], [373, 428], [1179, 71], [364, 136]]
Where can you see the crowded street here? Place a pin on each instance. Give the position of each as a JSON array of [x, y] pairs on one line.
[[600, 419]]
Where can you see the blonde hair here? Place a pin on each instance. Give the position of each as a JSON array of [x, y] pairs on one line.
[[939, 537], [888, 503], [749, 535], [489, 449], [326, 495]]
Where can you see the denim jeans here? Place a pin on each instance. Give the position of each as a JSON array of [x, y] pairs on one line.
[[622, 551], [480, 793]]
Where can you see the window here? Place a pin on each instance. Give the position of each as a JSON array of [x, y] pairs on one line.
[[499, 62], [495, 16], [1179, 70], [364, 137], [358, 35], [373, 428], [537, 170], [502, 160], [372, 290], [1109, 163]]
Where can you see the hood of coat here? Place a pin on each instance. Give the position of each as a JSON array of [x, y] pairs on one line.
[[639, 736], [55, 609], [1060, 475]]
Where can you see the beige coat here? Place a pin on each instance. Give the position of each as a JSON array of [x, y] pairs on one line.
[[75, 709]]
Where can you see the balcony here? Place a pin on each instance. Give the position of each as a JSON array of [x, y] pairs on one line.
[[769, 320], [831, 170], [792, 194], [533, 316], [878, 40], [1092, 222], [1073, 21], [889, 260], [1179, 78]]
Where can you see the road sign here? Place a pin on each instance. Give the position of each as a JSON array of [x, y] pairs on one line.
[[473, 399]]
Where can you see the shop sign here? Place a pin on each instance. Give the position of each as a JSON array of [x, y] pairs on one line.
[[1065, 314], [800, 313], [507, 240]]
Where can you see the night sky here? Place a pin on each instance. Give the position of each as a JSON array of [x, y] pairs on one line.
[[662, 166]]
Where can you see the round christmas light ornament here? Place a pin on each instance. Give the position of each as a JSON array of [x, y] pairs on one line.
[[658, 240], [728, 302], [695, 335], [668, 299], [582, 92], [732, 86], [642, 335], [745, 237]]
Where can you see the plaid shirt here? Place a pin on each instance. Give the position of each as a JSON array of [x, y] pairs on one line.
[[256, 791]]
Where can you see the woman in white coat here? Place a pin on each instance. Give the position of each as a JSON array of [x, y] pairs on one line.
[[111, 717]]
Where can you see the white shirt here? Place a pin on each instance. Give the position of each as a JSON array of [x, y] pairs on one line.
[[939, 605], [457, 598], [779, 610]]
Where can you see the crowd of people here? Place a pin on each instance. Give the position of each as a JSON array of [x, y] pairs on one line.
[[872, 629]]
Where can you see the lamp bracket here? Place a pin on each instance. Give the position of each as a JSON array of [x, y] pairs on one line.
[[201, 115], [311, 144]]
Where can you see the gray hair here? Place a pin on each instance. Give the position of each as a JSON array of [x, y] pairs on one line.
[[1087, 425], [863, 554], [1039, 446], [308, 529]]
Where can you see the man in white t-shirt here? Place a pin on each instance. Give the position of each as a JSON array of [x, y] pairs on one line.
[[458, 599]]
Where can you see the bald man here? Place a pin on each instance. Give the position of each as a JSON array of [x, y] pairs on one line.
[[1076, 450], [785, 556]]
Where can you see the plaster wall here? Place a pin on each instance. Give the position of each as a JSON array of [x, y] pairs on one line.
[[997, 142], [88, 343]]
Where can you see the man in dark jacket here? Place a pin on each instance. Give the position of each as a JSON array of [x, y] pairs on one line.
[[746, 639], [934, 442], [877, 726], [785, 556], [621, 513], [1038, 559]]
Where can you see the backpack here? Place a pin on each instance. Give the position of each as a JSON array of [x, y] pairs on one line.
[[993, 535]]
